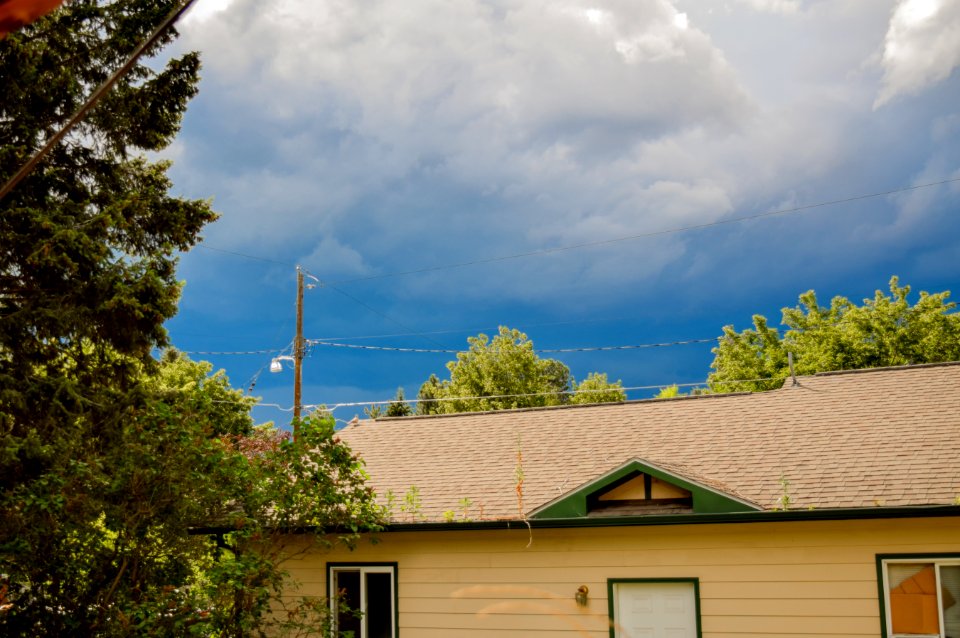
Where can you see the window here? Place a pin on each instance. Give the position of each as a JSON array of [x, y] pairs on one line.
[[920, 596], [654, 608], [370, 591]]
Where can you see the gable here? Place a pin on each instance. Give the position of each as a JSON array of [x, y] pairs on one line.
[[642, 488]]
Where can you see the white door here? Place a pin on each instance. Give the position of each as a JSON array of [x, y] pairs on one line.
[[655, 610]]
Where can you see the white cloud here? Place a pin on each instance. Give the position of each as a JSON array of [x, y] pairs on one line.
[[202, 10], [773, 6], [333, 259], [922, 47], [542, 100], [372, 137]]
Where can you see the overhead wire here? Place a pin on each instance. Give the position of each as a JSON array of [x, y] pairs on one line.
[[659, 386], [330, 407], [102, 89], [357, 346], [362, 303]]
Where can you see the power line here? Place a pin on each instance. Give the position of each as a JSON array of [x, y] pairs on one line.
[[380, 314], [230, 352], [95, 97], [246, 256], [659, 386], [334, 406], [356, 346]]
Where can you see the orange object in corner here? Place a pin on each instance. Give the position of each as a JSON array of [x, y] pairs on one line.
[[16, 13]]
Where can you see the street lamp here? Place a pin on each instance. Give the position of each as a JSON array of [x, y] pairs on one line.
[[276, 365]]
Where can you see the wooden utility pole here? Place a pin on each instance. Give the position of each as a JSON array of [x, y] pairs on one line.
[[298, 353]]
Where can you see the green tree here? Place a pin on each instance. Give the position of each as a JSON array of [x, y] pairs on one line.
[[505, 372], [597, 389], [86, 281], [108, 457], [117, 554], [885, 331], [399, 405]]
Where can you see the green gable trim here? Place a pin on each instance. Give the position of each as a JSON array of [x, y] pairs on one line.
[[706, 500]]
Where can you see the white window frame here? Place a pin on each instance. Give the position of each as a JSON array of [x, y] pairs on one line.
[[613, 610], [937, 560], [363, 569]]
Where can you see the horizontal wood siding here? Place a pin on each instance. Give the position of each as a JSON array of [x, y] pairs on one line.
[[786, 579]]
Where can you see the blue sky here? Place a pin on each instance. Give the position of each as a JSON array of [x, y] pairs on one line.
[[366, 139]]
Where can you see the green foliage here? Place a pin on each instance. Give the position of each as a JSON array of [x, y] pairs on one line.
[[505, 372], [108, 457], [669, 392], [465, 504], [783, 501], [596, 389], [412, 504], [886, 330], [399, 406]]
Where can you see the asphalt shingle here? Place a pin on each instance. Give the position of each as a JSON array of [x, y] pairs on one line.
[[887, 436]]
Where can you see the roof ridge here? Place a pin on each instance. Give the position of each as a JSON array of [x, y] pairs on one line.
[[908, 366], [657, 400], [572, 406]]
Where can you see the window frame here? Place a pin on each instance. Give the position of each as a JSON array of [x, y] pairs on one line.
[[944, 558], [611, 604], [366, 567]]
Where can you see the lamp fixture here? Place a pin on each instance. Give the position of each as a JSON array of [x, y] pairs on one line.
[[276, 364]]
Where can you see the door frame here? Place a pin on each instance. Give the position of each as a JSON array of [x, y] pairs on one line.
[[611, 604]]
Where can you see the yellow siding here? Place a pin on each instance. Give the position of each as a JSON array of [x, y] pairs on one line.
[[762, 579]]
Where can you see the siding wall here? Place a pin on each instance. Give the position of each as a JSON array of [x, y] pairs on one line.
[[761, 579]]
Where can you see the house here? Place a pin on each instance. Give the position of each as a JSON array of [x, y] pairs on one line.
[[829, 507]]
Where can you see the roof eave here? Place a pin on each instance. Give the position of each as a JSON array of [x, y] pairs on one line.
[[830, 514]]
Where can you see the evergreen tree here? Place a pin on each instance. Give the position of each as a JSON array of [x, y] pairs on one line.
[[106, 456]]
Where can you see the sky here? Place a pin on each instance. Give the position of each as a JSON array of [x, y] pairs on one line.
[[593, 173]]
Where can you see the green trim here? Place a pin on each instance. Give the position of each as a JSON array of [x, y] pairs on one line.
[[576, 503], [613, 581], [882, 592], [331, 565]]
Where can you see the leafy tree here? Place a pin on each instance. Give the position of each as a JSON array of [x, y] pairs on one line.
[[669, 392], [505, 372], [115, 555], [886, 330], [597, 389]]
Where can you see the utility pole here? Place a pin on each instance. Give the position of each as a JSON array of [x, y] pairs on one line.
[[298, 353]]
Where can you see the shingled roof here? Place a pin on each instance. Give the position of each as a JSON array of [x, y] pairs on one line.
[[880, 437]]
